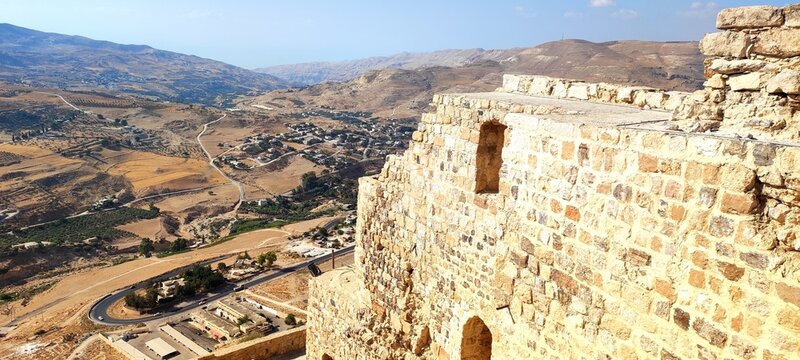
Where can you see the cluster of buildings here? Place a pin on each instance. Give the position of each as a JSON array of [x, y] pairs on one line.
[[232, 318], [241, 269], [320, 241], [169, 288], [232, 161], [362, 137]]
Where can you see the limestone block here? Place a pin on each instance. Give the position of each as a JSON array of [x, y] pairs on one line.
[[675, 99], [560, 90], [540, 85], [510, 82], [791, 15], [715, 82], [593, 90], [781, 43], [640, 98], [739, 66], [750, 17], [625, 94], [655, 99], [697, 111], [786, 82], [578, 91], [726, 43], [752, 81]]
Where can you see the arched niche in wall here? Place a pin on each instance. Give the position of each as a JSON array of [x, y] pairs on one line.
[[489, 158], [476, 340]]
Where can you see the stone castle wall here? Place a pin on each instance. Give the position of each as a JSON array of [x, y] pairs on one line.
[[284, 342], [640, 96], [612, 235], [752, 70]]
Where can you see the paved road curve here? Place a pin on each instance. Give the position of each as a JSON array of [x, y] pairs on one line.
[[100, 309]]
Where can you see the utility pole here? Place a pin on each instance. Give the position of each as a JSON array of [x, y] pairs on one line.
[[333, 259]]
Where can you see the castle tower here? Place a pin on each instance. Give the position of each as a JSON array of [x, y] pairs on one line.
[[557, 219]]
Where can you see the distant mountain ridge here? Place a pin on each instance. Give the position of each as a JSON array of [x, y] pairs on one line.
[[399, 92], [320, 72], [78, 63], [670, 65]]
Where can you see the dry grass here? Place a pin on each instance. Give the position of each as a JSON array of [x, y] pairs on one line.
[[149, 228], [100, 350], [223, 195], [62, 334], [264, 183], [293, 289], [117, 310], [303, 226], [151, 173]]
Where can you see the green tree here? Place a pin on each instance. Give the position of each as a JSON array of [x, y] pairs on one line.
[[179, 244], [221, 266], [290, 320], [146, 247], [308, 180], [267, 259], [242, 320]]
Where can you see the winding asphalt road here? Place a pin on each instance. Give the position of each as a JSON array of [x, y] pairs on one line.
[[100, 309]]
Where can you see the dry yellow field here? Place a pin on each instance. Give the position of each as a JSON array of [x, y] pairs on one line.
[[98, 349], [149, 228], [263, 183], [44, 182], [224, 195], [303, 226], [152, 173], [229, 131]]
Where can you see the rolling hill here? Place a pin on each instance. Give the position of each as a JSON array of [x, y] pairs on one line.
[[400, 92], [78, 63], [674, 65], [319, 72]]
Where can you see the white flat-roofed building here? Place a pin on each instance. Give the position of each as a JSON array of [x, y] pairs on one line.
[[160, 347]]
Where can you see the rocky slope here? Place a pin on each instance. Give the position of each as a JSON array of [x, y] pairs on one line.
[[78, 63], [664, 64], [401, 92], [319, 72]]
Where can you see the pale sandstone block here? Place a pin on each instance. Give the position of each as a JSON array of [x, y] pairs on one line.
[[715, 82], [786, 82], [726, 43], [578, 91], [511, 82], [560, 90], [751, 81], [791, 15], [781, 43], [750, 17], [676, 98], [625, 94], [739, 66], [640, 97], [655, 99], [540, 85]]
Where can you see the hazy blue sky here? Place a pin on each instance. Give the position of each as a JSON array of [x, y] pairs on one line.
[[260, 33]]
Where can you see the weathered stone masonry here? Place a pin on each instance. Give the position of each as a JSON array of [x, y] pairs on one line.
[[613, 233]]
